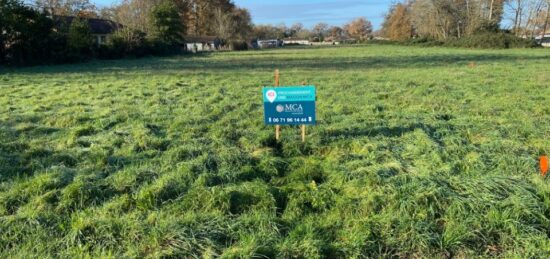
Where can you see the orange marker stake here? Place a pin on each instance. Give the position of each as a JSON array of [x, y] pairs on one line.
[[543, 165]]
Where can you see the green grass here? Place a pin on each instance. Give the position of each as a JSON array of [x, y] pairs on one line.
[[417, 154]]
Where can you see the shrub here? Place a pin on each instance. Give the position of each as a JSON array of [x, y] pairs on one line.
[[24, 34], [238, 45], [491, 40], [485, 38], [80, 40], [424, 41]]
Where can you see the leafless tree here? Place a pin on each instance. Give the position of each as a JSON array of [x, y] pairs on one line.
[[320, 30], [67, 7]]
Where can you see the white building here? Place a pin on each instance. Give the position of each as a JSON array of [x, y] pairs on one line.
[[544, 41], [293, 41], [265, 44], [202, 43]]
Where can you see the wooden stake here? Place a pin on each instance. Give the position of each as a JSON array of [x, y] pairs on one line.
[[303, 127], [277, 127]]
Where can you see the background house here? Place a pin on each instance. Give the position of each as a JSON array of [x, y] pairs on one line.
[[296, 41], [101, 29], [273, 43], [202, 43], [544, 40]]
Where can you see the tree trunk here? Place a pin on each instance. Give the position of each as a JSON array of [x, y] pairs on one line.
[[545, 27], [517, 18], [491, 10]]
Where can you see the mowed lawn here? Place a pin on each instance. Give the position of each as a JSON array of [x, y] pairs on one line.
[[419, 152]]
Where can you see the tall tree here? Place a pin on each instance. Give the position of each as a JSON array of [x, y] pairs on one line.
[[233, 25], [546, 21], [444, 19], [397, 24], [295, 29], [335, 32], [67, 7], [166, 23], [320, 30], [360, 28], [267, 32], [80, 38], [201, 13], [24, 33]]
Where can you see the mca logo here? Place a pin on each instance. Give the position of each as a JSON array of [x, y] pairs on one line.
[[290, 108]]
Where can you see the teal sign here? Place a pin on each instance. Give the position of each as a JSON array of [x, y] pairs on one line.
[[289, 105]]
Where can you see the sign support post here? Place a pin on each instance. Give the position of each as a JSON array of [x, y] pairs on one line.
[[289, 105], [277, 127], [303, 127]]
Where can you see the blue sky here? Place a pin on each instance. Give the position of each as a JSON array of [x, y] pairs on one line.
[[309, 12]]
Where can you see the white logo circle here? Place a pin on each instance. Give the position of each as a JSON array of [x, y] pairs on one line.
[[271, 95]]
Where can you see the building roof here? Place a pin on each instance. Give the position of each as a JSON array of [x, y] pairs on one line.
[[97, 26], [196, 39]]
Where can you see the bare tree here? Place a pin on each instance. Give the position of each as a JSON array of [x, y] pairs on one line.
[[320, 30], [234, 25], [444, 19], [546, 21], [295, 29], [67, 7], [335, 32]]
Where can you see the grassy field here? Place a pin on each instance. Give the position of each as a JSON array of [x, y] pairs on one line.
[[419, 152]]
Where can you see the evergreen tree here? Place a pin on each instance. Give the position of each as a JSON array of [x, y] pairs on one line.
[[80, 40], [166, 25]]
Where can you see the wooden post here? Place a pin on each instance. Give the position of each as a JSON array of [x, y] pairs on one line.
[[277, 127], [303, 127]]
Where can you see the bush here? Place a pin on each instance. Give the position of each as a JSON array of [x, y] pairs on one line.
[[424, 41], [24, 34], [491, 40], [128, 42], [238, 45], [485, 39]]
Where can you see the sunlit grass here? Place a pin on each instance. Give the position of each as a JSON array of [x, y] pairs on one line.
[[419, 152]]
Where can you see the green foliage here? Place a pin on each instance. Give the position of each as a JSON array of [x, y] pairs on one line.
[[417, 154], [80, 41], [26, 34], [166, 24], [484, 39], [491, 40], [423, 41], [238, 45], [127, 42]]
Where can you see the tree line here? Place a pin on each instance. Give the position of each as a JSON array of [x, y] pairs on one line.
[[447, 20], [359, 29], [31, 33]]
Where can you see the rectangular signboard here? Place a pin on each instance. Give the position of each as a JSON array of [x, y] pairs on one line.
[[289, 105]]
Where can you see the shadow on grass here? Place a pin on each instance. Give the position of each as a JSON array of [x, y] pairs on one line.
[[18, 158], [388, 132]]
